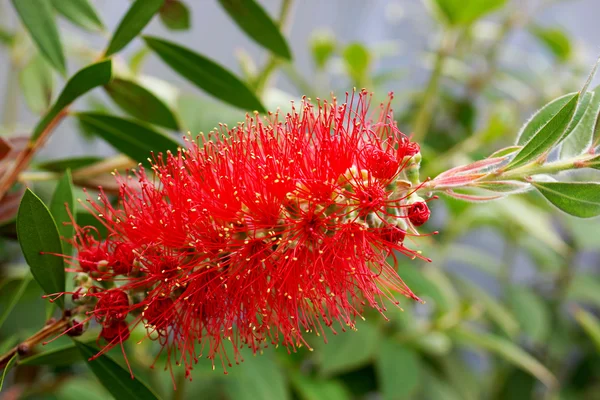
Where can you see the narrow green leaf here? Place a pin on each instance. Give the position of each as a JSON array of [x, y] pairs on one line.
[[348, 350], [590, 324], [7, 368], [313, 389], [175, 15], [540, 118], [6, 37], [80, 12], [140, 103], [531, 312], [579, 139], [14, 299], [36, 84], [547, 136], [505, 151], [398, 370], [593, 163], [115, 379], [582, 106], [73, 163], [555, 40], [38, 18], [581, 199], [83, 81], [205, 74], [138, 16], [507, 350], [254, 20], [38, 234], [61, 356], [127, 136], [61, 199]]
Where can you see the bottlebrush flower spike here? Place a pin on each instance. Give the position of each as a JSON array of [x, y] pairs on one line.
[[255, 235]]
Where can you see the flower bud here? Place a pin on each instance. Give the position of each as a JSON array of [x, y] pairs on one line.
[[418, 213]]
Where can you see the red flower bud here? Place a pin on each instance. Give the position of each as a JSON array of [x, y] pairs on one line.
[[418, 213], [112, 306]]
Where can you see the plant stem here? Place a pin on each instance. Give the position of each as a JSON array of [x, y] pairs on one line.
[[262, 79], [424, 115], [24, 158], [51, 328]]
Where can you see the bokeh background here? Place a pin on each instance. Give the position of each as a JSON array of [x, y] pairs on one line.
[[511, 281]]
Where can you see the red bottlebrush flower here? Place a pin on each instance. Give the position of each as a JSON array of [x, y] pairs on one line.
[[418, 213], [257, 234]]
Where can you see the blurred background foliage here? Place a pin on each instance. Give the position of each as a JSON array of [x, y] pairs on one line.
[[513, 294]]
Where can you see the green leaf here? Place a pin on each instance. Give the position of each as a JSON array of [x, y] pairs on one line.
[[313, 389], [61, 199], [540, 118], [322, 45], [6, 37], [464, 12], [547, 136], [128, 136], [60, 356], [258, 377], [358, 61], [205, 74], [115, 379], [83, 81], [531, 312], [579, 139], [7, 368], [38, 234], [138, 16], [593, 163], [252, 19], [398, 370], [348, 350], [80, 12], [140, 103], [555, 40], [507, 350], [14, 299], [175, 15], [78, 388], [38, 18], [36, 84], [73, 163], [590, 324], [580, 199]]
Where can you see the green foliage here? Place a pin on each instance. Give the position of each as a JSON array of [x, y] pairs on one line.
[[129, 137], [548, 135], [40, 243], [474, 298], [38, 18], [79, 12], [555, 40], [83, 81], [138, 16], [205, 74], [581, 199], [257, 24], [140, 103], [117, 380], [175, 15], [63, 202]]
